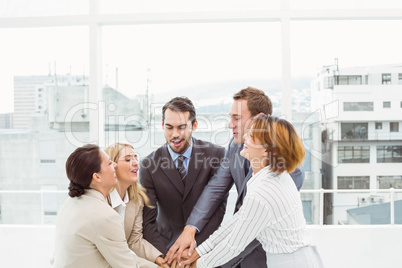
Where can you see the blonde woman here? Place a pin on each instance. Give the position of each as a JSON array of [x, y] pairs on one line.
[[128, 199]]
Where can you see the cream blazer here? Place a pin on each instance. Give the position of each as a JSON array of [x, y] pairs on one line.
[[89, 233], [133, 231]]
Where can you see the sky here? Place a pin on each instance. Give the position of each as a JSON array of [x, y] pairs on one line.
[[174, 56]]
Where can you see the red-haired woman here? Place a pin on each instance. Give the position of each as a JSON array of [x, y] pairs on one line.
[[272, 210]]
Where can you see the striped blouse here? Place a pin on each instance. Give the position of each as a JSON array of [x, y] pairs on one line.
[[271, 213]]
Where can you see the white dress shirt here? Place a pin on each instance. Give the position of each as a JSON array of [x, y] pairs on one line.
[[186, 154], [271, 213], [117, 204]]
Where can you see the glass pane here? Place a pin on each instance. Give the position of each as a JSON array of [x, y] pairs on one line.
[[358, 208], [386, 182], [358, 106], [29, 8], [46, 70], [134, 6], [311, 207], [317, 43], [150, 64], [344, 4], [398, 208], [33, 208]]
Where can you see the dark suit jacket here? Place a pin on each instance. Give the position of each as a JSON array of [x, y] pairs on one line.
[[174, 201], [234, 169]]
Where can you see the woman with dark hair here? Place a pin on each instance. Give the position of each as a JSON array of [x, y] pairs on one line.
[[272, 210], [128, 199], [89, 233]]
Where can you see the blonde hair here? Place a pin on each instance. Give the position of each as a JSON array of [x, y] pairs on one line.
[[135, 191]]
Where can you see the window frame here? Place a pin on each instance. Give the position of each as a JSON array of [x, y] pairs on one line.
[[395, 180], [95, 20], [385, 154], [393, 126], [354, 180], [355, 153], [386, 78]]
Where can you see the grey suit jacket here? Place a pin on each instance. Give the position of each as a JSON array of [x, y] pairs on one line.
[[234, 170], [89, 233], [174, 201]]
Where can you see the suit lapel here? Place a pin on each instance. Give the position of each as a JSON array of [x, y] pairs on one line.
[[242, 178], [168, 167], [129, 217], [195, 164]]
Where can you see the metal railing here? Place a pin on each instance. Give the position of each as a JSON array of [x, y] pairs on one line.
[[391, 192]]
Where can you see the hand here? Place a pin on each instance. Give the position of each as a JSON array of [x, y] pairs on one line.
[[185, 240], [175, 264], [191, 260], [161, 263], [193, 265]]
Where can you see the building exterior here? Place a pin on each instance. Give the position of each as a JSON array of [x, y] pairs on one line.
[[25, 88], [30, 95], [50, 123], [6, 121], [361, 134]]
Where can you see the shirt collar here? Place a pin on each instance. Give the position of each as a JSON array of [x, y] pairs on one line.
[[115, 199], [187, 153], [256, 177]]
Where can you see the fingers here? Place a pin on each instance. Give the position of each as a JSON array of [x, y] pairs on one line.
[[194, 257], [191, 249], [174, 264], [172, 251], [179, 252]]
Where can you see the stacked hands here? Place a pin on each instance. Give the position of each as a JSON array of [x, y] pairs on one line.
[[184, 260], [182, 253]]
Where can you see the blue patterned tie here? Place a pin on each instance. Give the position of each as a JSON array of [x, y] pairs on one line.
[[181, 168]]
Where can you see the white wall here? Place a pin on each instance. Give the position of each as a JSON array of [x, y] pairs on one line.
[[339, 246]]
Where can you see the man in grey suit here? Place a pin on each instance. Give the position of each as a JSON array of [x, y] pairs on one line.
[[236, 170], [175, 175]]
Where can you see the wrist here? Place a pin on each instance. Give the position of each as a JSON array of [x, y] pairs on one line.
[[190, 229]]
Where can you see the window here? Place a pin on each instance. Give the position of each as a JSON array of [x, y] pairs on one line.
[[49, 204], [389, 154], [353, 154], [358, 106], [354, 182], [349, 80], [386, 79], [386, 182], [357, 131], [378, 125], [307, 210], [400, 79], [329, 82], [386, 104], [394, 126], [401, 104]]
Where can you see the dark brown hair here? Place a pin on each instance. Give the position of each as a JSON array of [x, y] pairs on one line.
[[257, 101], [285, 148], [80, 167], [180, 105]]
